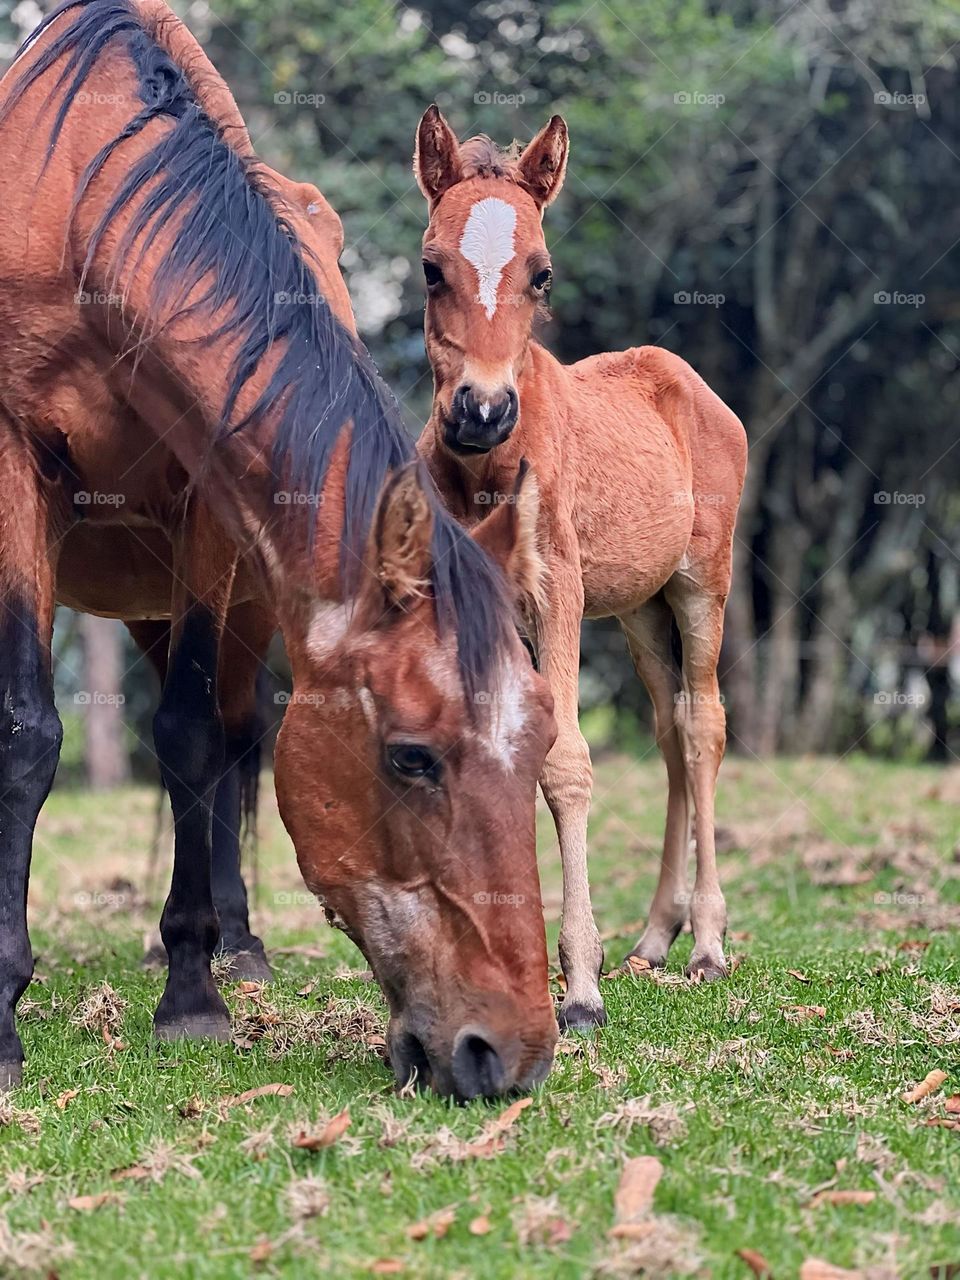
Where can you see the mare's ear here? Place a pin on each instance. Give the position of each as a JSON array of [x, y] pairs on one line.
[[436, 160], [544, 162], [509, 535], [397, 565]]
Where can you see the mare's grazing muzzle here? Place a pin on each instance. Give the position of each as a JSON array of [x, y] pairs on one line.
[[479, 421], [479, 1064]]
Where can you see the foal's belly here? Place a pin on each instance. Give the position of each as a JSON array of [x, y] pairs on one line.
[[634, 531]]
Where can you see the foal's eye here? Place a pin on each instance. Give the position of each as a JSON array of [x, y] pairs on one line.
[[411, 761], [432, 274], [542, 281]]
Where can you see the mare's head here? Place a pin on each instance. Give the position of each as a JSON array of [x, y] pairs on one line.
[[408, 781], [487, 270]]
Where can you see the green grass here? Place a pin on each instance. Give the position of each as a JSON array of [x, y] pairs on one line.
[[752, 1109]]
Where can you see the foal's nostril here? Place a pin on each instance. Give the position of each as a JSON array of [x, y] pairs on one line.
[[478, 1071]]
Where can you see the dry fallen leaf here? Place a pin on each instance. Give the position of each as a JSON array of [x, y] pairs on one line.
[[85, 1204], [800, 1012], [262, 1250], [479, 1226], [931, 1082], [952, 1105], [261, 1091], [843, 1197], [634, 1195], [65, 1097], [332, 1132], [437, 1225], [387, 1267], [756, 1261], [817, 1269], [913, 944], [800, 977], [491, 1140]]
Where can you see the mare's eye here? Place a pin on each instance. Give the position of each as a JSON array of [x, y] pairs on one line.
[[432, 274], [542, 280], [411, 761]]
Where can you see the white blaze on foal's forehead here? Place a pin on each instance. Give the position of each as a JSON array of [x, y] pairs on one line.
[[487, 244]]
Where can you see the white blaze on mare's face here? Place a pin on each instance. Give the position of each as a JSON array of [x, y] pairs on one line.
[[487, 244]]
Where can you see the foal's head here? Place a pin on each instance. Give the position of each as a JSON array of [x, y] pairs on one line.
[[409, 795], [487, 269]]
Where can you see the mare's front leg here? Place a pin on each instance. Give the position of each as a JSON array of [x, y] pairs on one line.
[[189, 739], [567, 782], [30, 731]]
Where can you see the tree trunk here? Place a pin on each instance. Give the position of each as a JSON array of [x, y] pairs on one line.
[[106, 758]]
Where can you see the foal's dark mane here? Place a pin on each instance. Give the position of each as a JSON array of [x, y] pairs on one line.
[[230, 234]]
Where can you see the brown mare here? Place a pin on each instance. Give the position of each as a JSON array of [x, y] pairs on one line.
[[179, 347], [640, 469]]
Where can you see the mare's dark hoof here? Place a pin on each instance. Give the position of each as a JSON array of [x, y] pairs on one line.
[[581, 1017], [11, 1073], [706, 970], [193, 1026], [250, 965]]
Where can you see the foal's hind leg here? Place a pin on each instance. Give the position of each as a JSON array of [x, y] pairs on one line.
[[188, 733], [30, 731], [702, 724], [648, 632]]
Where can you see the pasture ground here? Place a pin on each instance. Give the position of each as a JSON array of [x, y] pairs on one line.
[[755, 1094]]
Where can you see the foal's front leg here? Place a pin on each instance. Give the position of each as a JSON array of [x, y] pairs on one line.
[[567, 782], [189, 738]]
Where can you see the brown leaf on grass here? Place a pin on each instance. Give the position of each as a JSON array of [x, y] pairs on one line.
[[931, 1082], [261, 1091], [634, 1195], [85, 1204], [261, 1251], [817, 1269], [246, 988], [952, 1105], [942, 1122], [192, 1108], [756, 1261], [539, 1220], [801, 1012], [913, 944], [842, 1197], [479, 1226], [332, 1132], [135, 1171], [844, 1055], [387, 1267], [305, 991], [800, 977], [436, 1225], [67, 1096], [110, 1040]]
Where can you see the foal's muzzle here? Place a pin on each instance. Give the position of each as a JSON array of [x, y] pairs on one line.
[[480, 420]]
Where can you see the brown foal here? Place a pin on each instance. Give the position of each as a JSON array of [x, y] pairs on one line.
[[640, 467], [189, 426]]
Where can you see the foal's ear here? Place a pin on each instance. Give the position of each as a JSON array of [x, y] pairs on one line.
[[509, 536], [397, 567], [544, 162], [436, 160]]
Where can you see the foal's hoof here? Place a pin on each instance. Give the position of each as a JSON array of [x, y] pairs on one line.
[[193, 1026], [579, 1016], [11, 1073], [704, 969]]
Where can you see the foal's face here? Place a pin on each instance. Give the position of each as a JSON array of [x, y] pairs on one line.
[[413, 815], [487, 269]]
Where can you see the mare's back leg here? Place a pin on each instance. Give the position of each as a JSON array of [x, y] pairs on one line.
[[30, 731], [649, 634], [238, 667], [189, 739]]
